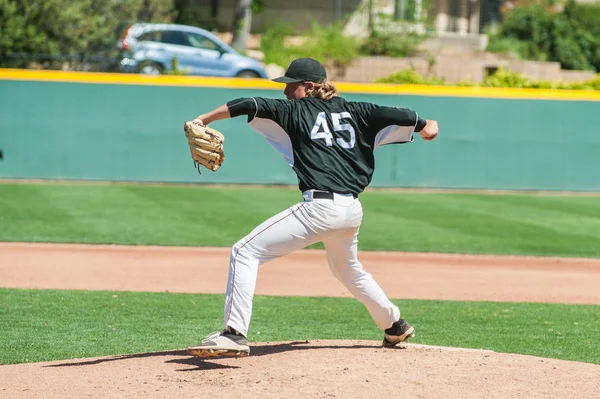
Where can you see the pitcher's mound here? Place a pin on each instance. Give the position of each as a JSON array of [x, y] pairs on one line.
[[308, 369]]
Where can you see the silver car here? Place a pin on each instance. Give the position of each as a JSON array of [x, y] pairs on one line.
[[151, 49]]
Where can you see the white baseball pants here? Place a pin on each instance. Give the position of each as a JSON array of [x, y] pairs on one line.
[[335, 222]]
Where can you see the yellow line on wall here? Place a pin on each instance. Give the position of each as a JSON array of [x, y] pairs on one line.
[[477, 92], [134, 79], [238, 83]]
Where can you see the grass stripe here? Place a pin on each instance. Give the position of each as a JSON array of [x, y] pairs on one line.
[[543, 225], [44, 325]]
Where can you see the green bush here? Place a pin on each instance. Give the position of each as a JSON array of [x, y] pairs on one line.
[[592, 84], [390, 44], [176, 69], [328, 43], [71, 30], [410, 76], [508, 46], [505, 78], [272, 45], [571, 37], [532, 26], [586, 30], [325, 43], [501, 78], [567, 48], [393, 38]]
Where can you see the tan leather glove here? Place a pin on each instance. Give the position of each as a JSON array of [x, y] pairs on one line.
[[206, 145]]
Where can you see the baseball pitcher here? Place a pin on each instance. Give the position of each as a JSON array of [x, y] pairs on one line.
[[329, 143]]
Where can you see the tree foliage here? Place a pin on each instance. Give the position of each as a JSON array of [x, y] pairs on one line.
[[76, 28], [571, 37]]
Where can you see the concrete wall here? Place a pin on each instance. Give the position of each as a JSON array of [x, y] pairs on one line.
[[455, 69], [126, 132]]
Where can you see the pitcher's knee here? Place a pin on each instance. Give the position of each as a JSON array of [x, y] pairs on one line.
[[238, 249], [244, 249]]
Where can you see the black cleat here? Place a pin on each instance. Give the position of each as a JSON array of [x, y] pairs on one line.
[[400, 331]]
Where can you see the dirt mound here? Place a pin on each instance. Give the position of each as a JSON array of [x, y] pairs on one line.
[[315, 369]]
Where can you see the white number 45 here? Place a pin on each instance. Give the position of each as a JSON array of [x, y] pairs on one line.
[[321, 130]]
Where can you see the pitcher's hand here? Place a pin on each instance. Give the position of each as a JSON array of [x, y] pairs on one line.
[[430, 131]]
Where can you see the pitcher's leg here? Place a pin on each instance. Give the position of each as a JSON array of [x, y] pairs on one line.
[[283, 233], [345, 266]]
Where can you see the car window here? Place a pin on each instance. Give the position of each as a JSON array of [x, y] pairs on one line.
[[198, 41], [152, 36], [174, 37]]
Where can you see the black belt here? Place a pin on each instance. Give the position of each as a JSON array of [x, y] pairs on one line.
[[326, 195]]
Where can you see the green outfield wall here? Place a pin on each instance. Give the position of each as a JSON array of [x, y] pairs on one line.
[[123, 128]]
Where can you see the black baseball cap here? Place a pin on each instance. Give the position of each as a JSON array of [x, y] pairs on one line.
[[303, 70]]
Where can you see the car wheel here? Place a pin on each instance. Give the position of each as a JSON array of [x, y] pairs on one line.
[[150, 68], [247, 74]]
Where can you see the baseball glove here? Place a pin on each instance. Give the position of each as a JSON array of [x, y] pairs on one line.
[[206, 146]]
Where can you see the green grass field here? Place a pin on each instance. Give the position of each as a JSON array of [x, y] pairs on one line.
[[207, 216], [51, 325]]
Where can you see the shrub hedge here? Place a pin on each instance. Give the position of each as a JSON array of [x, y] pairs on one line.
[[501, 78]]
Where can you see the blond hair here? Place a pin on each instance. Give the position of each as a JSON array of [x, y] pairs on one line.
[[324, 90]]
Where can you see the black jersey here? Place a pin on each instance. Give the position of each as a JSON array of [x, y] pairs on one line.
[[330, 143]]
